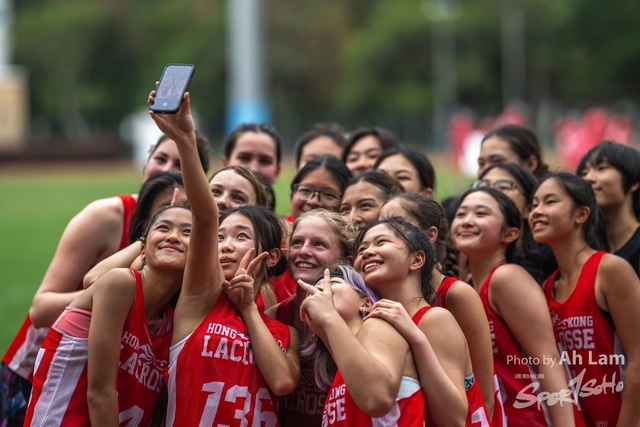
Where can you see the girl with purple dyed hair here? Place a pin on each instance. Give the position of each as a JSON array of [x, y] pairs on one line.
[[367, 363]]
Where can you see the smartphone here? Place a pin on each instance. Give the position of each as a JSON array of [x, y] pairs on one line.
[[174, 82]]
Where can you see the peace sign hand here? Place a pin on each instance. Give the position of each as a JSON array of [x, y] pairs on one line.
[[179, 126], [241, 288], [318, 307]]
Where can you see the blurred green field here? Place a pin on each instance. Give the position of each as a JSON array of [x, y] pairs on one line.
[[38, 202]]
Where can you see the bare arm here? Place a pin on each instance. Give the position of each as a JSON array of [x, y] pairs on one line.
[[88, 238], [619, 286], [438, 389], [375, 357], [203, 274], [112, 297], [518, 299], [280, 370], [465, 305], [124, 258]]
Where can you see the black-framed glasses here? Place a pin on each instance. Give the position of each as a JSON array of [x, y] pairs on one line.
[[307, 192], [502, 185]]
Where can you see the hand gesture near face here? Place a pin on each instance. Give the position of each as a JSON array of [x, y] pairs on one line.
[[318, 307], [240, 289], [179, 126]]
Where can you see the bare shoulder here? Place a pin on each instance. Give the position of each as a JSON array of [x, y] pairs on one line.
[[379, 329], [461, 291], [116, 280], [509, 274], [110, 205], [437, 317], [613, 266]]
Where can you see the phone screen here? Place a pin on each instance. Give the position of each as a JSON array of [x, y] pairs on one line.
[[172, 87]]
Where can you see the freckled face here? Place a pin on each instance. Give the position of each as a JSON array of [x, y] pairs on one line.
[[314, 246]]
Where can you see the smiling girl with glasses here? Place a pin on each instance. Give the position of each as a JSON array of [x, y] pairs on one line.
[[319, 184]]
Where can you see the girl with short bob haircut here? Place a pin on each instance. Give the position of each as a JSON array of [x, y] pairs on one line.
[[485, 229], [613, 171], [593, 298], [451, 293], [512, 144], [319, 184], [353, 353], [365, 195], [396, 259], [411, 168]]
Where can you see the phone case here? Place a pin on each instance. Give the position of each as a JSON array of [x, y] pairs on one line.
[[171, 104]]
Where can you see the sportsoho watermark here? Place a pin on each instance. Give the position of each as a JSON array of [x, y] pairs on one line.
[[578, 388]]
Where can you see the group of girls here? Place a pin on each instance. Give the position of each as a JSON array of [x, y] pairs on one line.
[[350, 311]]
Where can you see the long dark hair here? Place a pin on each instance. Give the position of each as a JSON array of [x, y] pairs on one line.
[[158, 183], [581, 194], [416, 241]]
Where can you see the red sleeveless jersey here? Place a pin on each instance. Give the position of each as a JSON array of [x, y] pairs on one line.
[[589, 346], [20, 357], [518, 380], [477, 414], [214, 379], [341, 410], [285, 312], [59, 395]]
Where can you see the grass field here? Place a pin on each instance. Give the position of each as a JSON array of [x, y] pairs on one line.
[[38, 201]]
